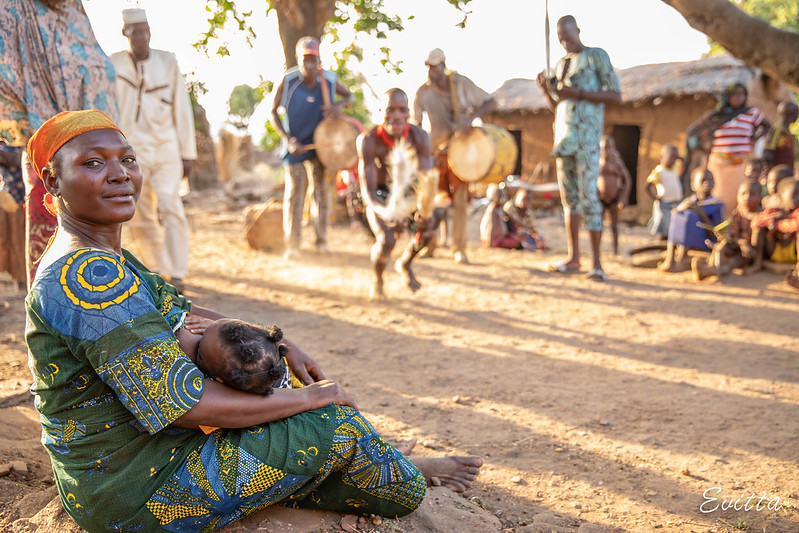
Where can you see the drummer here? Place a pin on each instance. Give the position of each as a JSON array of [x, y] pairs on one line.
[[302, 96], [451, 101], [374, 151]]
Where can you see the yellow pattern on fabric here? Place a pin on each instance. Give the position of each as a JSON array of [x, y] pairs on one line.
[[140, 363], [167, 512], [197, 470], [266, 476], [352, 502], [364, 473], [69, 431], [303, 454], [166, 307], [99, 288], [228, 458]]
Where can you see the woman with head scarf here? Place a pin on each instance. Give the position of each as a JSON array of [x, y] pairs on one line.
[[728, 134], [121, 404]]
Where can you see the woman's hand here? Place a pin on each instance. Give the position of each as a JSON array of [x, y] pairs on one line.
[[325, 392], [196, 324], [303, 366]]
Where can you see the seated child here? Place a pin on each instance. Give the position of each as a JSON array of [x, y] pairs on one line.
[[790, 225], [494, 232], [753, 170], [519, 218], [773, 200], [781, 228], [705, 207], [739, 247], [663, 185], [613, 185], [239, 354]]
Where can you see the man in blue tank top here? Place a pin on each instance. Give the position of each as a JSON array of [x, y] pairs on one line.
[[300, 96]]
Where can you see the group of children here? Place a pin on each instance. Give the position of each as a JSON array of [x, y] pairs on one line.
[[763, 225]]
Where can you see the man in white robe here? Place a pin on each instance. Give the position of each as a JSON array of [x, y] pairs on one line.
[[156, 116]]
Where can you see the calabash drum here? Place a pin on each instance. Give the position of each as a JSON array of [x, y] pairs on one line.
[[487, 152], [334, 142]]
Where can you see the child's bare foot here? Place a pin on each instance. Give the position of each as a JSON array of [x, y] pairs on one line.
[[405, 270], [454, 472], [700, 269], [406, 447], [792, 279]]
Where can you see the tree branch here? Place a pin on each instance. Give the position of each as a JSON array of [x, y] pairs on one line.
[[748, 38]]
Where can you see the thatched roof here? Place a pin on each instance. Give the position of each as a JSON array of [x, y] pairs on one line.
[[643, 83]]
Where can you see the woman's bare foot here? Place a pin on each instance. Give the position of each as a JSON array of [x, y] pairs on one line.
[[453, 472], [406, 447]]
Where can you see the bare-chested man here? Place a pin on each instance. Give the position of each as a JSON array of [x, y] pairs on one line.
[[375, 158]]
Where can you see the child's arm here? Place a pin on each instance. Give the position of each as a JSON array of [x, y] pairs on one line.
[[187, 343], [627, 182], [512, 215], [650, 189], [688, 203]]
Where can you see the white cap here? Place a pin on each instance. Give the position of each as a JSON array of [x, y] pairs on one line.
[[435, 57], [133, 16]]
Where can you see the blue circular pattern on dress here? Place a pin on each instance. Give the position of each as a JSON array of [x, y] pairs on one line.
[[100, 288], [185, 383], [96, 280]]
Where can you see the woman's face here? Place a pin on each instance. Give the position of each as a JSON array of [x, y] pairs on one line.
[[97, 180], [738, 97]]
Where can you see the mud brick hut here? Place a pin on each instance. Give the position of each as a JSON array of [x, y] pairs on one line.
[[659, 101]]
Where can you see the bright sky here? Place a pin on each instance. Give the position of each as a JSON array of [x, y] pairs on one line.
[[503, 39]]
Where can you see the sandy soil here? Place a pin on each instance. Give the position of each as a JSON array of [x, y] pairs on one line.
[[611, 406]]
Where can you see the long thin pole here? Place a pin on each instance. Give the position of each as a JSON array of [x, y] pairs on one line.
[[546, 37]]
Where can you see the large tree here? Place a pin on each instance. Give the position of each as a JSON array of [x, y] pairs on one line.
[[297, 18], [749, 38]]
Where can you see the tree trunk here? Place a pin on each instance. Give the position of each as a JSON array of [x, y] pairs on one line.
[[748, 38], [298, 18]]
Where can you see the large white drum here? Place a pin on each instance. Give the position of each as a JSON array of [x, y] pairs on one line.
[[487, 152]]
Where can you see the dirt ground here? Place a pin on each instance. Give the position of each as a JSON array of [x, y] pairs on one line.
[[623, 406]]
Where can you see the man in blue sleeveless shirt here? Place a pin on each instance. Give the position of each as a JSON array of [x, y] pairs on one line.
[[300, 96]]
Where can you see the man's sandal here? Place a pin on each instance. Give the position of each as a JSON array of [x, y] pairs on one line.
[[562, 269], [597, 274]]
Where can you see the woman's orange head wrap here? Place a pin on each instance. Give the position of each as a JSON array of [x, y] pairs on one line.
[[59, 130]]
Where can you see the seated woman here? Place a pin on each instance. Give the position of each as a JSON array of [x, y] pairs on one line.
[[121, 403]]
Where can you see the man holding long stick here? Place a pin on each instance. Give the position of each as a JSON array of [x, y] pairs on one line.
[[584, 83]]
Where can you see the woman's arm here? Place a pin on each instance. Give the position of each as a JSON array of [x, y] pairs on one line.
[[222, 406]]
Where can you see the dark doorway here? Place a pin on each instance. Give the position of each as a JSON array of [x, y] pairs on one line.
[[517, 136], [627, 138]]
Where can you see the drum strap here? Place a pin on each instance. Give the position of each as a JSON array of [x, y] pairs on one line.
[[325, 89], [454, 97], [388, 141]]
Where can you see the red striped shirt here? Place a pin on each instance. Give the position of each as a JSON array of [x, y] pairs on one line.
[[735, 136]]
